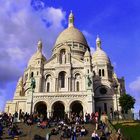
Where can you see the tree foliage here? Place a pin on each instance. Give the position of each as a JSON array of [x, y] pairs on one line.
[[127, 102]]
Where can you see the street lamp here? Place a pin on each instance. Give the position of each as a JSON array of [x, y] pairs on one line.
[[116, 92], [32, 86]]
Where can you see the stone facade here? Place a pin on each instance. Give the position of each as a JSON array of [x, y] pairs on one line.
[[72, 80]]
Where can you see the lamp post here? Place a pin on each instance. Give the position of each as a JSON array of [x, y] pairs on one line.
[[32, 86], [116, 92]]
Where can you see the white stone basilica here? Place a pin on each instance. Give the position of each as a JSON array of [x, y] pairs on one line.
[[72, 80]]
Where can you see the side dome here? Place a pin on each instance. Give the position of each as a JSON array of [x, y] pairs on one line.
[[37, 56], [99, 56], [71, 34]]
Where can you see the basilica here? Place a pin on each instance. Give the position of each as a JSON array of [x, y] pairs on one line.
[[72, 81]]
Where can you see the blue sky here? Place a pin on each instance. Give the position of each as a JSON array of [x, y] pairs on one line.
[[24, 22]]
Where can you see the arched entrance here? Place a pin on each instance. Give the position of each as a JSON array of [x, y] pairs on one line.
[[58, 110], [41, 108], [76, 108]]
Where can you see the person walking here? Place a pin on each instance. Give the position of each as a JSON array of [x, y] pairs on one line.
[[73, 137]]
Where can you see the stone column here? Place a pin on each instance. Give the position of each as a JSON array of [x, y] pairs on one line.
[[68, 56], [90, 105], [48, 113], [67, 110], [69, 84], [72, 84], [40, 84], [56, 84]]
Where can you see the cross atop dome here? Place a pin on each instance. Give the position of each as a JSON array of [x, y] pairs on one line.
[[71, 19]]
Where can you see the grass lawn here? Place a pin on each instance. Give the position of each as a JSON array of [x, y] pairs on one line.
[[130, 129]]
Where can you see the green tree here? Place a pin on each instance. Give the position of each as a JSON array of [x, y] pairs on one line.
[[127, 102]]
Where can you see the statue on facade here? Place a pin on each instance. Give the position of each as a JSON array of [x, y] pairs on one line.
[[33, 83], [89, 82], [63, 58]]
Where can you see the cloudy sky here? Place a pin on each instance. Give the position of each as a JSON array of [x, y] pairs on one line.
[[24, 22]]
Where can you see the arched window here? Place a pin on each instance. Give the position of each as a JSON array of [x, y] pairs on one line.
[[103, 72], [100, 72], [62, 76], [77, 81], [48, 83], [32, 74], [48, 87], [77, 86]]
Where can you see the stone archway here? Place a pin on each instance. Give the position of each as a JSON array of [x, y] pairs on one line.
[[41, 108], [58, 110], [76, 108]]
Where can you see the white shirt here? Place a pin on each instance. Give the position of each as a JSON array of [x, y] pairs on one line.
[[94, 135]]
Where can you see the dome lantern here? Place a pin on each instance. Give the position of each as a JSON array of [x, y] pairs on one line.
[[98, 43], [71, 20], [39, 46]]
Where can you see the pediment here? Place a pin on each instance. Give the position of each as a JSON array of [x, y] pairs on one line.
[[76, 62], [51, 62]]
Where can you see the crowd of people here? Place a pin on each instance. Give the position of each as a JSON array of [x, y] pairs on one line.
[[68, 127], [6, 121]]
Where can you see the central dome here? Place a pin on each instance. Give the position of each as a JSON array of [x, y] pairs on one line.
[[71, 39], [71, 34]]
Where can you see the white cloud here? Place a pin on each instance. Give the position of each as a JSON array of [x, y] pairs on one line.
[[21, 26], [54, 16], [15, 53], [135, 85]]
